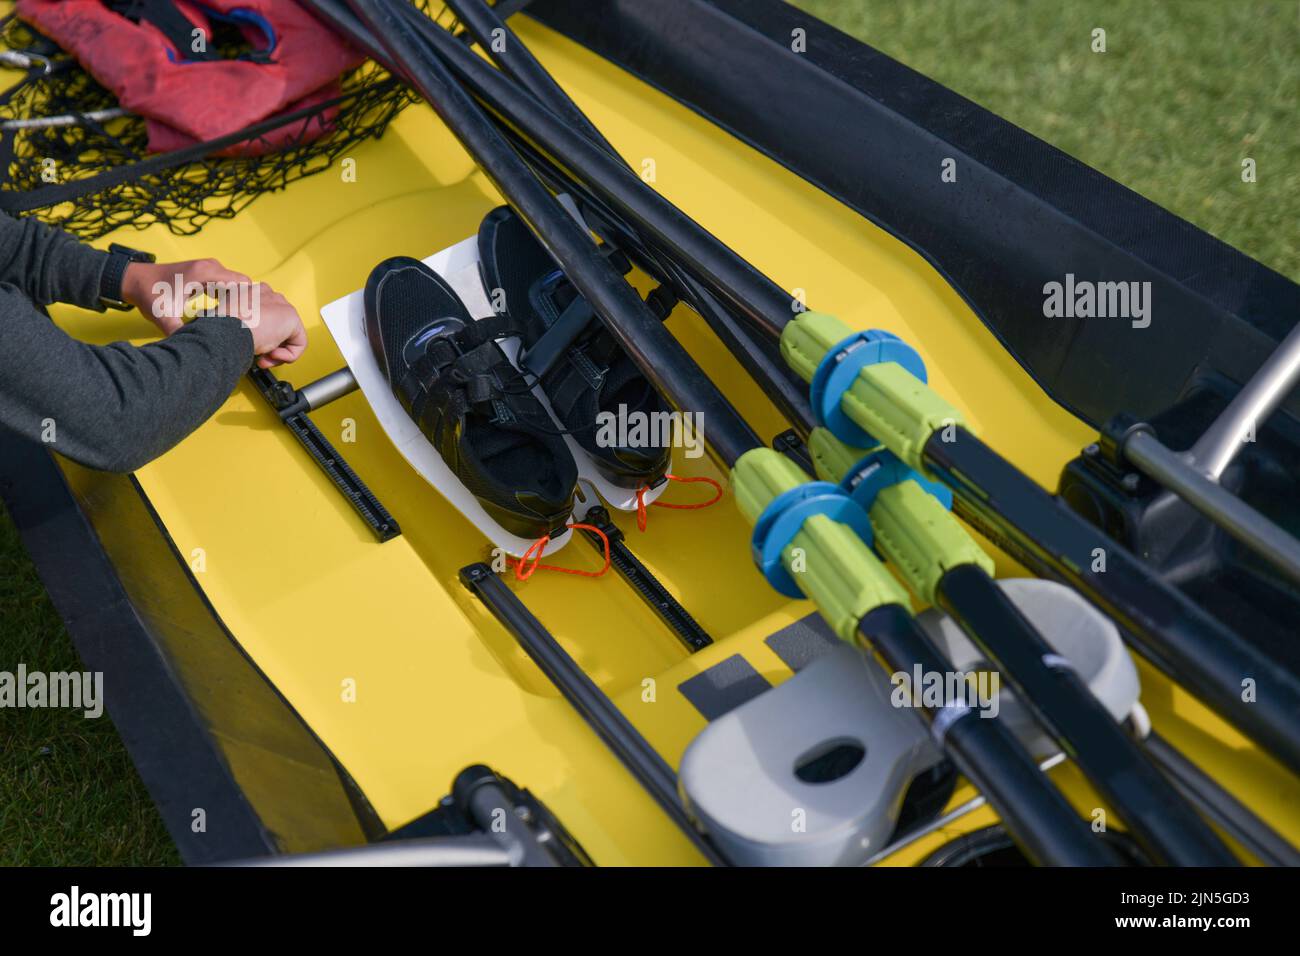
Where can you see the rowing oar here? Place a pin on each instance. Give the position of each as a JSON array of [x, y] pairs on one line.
[[1045, 825], [1032, 525], [943, 565], [640, 332], [809, 540], [760, 359], [512, 55]]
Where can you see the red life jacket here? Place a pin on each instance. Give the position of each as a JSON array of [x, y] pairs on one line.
[[159, 58]]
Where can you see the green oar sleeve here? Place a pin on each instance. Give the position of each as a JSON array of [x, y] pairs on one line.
[[886, 400], [826, 559], [919, 537]]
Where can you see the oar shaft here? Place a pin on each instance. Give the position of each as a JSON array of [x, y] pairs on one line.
[[641, 334], [1156, 814], [517, 61], [1256, 694], [1044, 824], [720, 268]]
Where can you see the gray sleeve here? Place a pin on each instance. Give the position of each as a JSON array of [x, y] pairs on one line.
[[113, 407], [48, 265]]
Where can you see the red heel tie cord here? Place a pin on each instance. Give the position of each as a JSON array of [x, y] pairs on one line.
[[525, 570], [531, 562], [641, 492]]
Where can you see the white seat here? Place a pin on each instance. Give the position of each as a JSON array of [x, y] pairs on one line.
[[742, 779]]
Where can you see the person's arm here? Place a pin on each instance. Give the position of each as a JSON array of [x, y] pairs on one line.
[[117, 407], [157, 290], [48, 265], [114, 407]]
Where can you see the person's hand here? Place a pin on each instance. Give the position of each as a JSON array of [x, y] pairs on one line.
[[278, 333], [161, 290]]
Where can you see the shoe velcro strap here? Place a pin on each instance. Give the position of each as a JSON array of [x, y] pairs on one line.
[[566, 388], [456, 374], [438, 354], [587, 371], [481, 388], [485, 330], [588, 366], [485, 357], [566, 329], [544, 297], [478, 381], [414, 387]]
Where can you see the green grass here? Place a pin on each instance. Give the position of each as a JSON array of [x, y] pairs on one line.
[[68, 793], [1184, 93]]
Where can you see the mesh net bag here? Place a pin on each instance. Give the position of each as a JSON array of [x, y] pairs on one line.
[[70, 156]]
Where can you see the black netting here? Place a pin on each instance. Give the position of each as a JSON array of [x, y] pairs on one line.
[[59, 126]]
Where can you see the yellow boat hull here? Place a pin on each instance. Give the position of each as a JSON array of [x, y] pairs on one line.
[[396, 670]]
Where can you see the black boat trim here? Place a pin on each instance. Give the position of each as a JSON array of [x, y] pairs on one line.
[[862, 127], [136, 613]]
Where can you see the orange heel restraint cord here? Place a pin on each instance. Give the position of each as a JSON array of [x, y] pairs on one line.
[[641, 492], [525, 570]]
